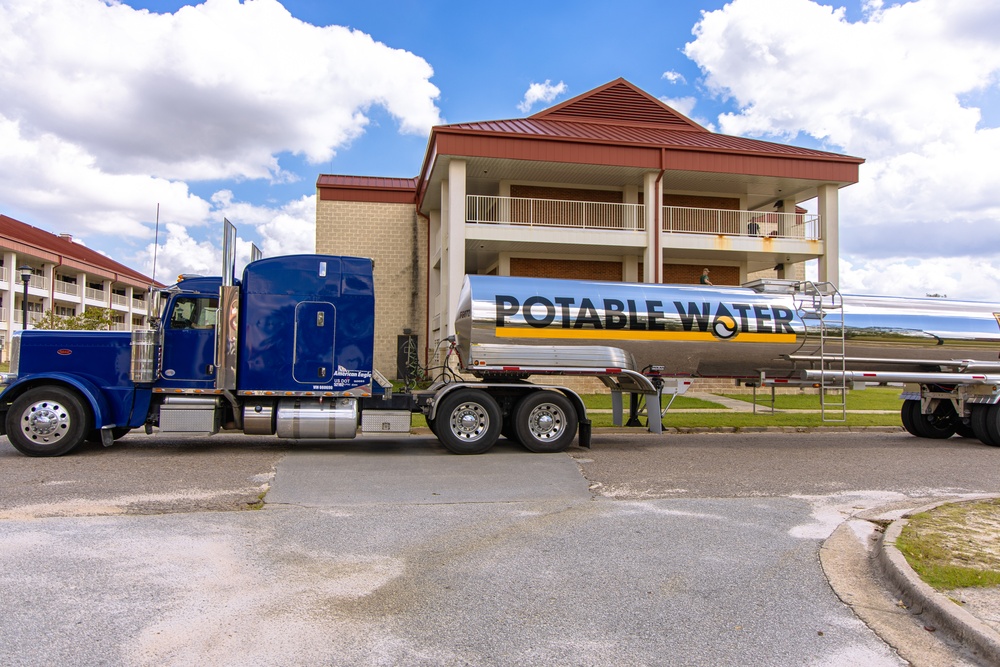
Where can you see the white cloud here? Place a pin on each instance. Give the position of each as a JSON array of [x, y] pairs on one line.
[[674, 77], [888, 88], [684, 105], [106, 111], [213, 91], [540, 92], [286, 229]]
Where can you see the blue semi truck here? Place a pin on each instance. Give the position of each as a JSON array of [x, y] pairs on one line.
[[285, 350]]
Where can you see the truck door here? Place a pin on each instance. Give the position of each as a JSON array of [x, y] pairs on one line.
[[315, 324], [188, 357]]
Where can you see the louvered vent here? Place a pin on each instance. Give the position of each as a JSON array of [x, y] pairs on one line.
[[621, 104]]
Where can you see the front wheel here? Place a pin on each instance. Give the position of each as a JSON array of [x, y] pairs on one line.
[[468, 421], [47, 421], [545, 421]]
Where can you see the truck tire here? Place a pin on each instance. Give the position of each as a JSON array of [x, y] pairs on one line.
[[937, 425], [47, 421], [984, 424], [468, 421], [545, 422]]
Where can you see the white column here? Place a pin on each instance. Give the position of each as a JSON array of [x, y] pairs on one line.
[[829, 263], [442, 302], [653, 198], [455, 222]]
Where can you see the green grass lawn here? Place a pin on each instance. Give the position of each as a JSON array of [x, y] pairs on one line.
[[603, 402], [872, 398], [880, 398], [954, 545]]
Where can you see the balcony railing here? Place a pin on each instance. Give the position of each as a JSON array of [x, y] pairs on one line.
[[95, 294], [741, 223], [119, 299], [63, 287], [480, 209], [138, 304], [32, 317]]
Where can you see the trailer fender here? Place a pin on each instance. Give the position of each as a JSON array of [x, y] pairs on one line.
[[100, 408]]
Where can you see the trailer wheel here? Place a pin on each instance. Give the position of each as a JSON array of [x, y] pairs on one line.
[[985, 424], [937, 425], [468, 422], [545, 421], [47, 421]]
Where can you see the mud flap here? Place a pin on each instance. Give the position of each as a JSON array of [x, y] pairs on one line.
[[584, 433]]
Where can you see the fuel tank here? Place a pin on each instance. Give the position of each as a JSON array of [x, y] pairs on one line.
[[774, 327]]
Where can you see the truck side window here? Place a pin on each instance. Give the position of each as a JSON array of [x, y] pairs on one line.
[[194, 313]]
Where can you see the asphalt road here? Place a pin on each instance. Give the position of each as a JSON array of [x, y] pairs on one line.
[[694, 549]]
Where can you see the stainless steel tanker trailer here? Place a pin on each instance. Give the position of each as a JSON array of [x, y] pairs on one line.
[[768, 333]]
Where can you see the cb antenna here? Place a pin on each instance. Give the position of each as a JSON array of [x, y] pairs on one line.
[[156, 239]]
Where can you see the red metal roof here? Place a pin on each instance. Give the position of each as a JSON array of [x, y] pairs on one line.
[[377, 182], [619, 102], [635, 134], [63, 251], [618, 113], [334, 187]]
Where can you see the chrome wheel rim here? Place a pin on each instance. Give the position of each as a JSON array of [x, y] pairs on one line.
[[469, 421], [546, 421], [45, 421]]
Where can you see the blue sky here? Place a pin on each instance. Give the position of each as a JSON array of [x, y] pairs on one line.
[[228, 108]]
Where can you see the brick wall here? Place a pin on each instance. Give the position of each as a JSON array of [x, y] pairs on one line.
[[566, 194], [566, 268], [691, 274], [697, 201], [396, 238]]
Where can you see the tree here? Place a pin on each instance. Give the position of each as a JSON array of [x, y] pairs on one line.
[[91, 319]]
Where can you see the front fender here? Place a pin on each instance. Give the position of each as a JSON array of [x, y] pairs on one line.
[[100, 408]]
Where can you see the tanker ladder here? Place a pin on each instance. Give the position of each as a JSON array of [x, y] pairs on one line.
[[823, 304]]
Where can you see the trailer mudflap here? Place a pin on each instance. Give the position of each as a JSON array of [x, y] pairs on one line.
[[584, 433]]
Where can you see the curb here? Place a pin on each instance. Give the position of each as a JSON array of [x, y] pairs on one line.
[[958, 622]]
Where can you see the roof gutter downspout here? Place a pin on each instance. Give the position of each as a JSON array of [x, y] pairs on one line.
[[427, 292], [657, 207]]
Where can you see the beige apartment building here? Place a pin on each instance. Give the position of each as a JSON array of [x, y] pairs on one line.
[[63, 277], [610, 185]]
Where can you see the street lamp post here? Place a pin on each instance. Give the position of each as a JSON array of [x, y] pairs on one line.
[[25, 278]]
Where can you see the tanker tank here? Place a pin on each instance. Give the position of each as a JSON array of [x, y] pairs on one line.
[[772, 327]]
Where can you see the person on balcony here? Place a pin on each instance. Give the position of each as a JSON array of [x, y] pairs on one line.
[[704, 278]]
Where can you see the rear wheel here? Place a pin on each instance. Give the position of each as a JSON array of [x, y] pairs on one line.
[[984, 424], [937, 425], [468, 421], [545, 421], [47, 421]]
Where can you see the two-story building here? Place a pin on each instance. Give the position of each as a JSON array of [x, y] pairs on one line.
[[63, 277], [610, 185]]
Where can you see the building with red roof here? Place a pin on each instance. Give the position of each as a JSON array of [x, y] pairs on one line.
[[566, 193], [65, 278]]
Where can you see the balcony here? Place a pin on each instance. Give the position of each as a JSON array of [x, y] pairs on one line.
[[720, 222], [486, 210], [119, 300], [33, 318], [95, 295], [65, 288], [138, 304]]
